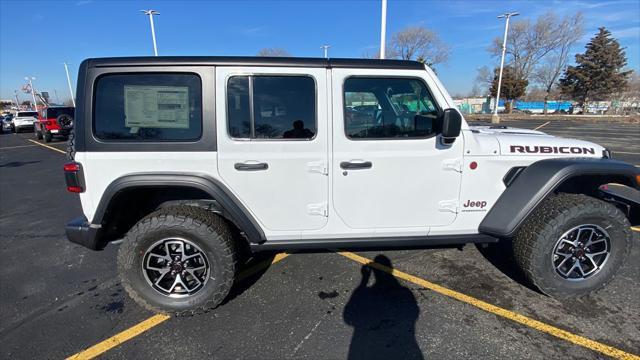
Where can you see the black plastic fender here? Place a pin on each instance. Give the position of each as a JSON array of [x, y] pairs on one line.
[[538, 181], [228, 203]]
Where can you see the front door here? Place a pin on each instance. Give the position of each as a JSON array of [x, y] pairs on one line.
[[272, 144], [390, 169]]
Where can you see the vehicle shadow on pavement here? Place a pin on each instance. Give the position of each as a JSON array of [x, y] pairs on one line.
[[383, 317], [500, 255], [250, 270]]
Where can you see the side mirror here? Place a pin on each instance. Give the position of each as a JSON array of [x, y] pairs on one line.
[[451, 124]]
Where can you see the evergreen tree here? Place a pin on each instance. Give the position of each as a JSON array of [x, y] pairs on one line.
[[512, 87], [598, 72]]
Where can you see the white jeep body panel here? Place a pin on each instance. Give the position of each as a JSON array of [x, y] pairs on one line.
[[416, 187]]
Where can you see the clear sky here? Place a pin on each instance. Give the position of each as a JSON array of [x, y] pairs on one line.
[[36, 37]]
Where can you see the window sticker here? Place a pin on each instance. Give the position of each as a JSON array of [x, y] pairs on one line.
[[156, 106]]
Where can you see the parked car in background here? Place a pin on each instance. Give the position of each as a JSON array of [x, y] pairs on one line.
[[7, 123], [54, 121], [24, 120]]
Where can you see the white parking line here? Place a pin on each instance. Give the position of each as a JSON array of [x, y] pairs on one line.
[[545, 124]]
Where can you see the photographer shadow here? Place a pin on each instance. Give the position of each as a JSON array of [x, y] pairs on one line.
[[383, 316]]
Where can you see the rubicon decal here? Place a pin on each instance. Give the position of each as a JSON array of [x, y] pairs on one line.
[[551, 149]]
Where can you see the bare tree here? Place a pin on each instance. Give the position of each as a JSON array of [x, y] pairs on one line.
[[375, 53], [547, 73], [273, 52], [484, 79], [419, 43], [528, 43]]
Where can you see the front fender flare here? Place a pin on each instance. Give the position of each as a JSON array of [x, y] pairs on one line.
[[537, 182]]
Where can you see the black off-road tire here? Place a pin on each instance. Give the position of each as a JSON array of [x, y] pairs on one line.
[[38, 134], [534, 243], [47, 136], [205, 229]]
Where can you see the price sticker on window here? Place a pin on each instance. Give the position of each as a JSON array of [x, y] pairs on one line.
[[156, 106]]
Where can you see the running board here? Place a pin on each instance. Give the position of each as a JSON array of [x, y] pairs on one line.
[[373, 242]]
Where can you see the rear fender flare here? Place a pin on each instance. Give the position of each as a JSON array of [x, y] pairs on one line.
[[231, 207]]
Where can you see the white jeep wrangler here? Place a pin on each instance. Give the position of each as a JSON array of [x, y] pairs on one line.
[[189, 161]]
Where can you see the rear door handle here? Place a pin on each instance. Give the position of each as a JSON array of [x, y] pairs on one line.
[[348, 165], [251, 167]]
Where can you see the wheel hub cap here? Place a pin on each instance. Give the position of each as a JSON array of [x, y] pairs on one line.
[[581, 252], [175, 267]]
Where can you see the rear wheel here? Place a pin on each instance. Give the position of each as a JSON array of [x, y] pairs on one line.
[[179, 259], [47, 136], [38, 134], [572, 245]]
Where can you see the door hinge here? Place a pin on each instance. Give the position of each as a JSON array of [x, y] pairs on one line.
[[448, 206], [319, 167], [452, 164], [318, 209]]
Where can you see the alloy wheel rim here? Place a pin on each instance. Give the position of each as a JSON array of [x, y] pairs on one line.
[[175, 267], [581, 252]]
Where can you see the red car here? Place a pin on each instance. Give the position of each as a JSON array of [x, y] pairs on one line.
[[54, 121]]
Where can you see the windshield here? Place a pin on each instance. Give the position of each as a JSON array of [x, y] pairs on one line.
[[27, 114]]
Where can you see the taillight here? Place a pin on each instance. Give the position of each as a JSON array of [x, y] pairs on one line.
[[74, 177], [72, 166]]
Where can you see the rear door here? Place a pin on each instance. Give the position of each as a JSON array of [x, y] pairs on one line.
[[272, 144], [391, 172]]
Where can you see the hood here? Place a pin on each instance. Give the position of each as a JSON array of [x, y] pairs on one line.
[[524, 142]]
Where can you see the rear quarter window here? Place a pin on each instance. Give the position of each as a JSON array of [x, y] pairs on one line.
[[148, 107]]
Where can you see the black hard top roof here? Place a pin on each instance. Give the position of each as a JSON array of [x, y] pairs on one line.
[[254, 61]]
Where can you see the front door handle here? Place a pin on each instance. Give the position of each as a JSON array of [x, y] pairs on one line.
[[348, 165], [251, 167]]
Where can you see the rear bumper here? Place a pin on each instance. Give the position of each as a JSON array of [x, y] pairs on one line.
[[81, 232]]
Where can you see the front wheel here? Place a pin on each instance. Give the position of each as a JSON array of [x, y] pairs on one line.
[[178, 260], [572, 245]]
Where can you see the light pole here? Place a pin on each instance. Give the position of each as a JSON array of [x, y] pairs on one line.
[[66, 70], [495, 118], [326, 50], [33, 94], [17, 100], [383, 29], [153, 30]]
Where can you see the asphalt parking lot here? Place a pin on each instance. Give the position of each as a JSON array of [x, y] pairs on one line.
[[58, 299]]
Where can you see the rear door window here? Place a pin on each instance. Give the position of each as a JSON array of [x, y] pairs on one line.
[[271, 107], [148, 107]]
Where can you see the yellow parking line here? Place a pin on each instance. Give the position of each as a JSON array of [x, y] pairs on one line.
[[635, 228], [47, 146], [118, 339], [259, 266], [545, 124], [139, 328], [513, 316]]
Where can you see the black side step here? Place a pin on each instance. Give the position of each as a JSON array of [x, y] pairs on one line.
[[373, 242]]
